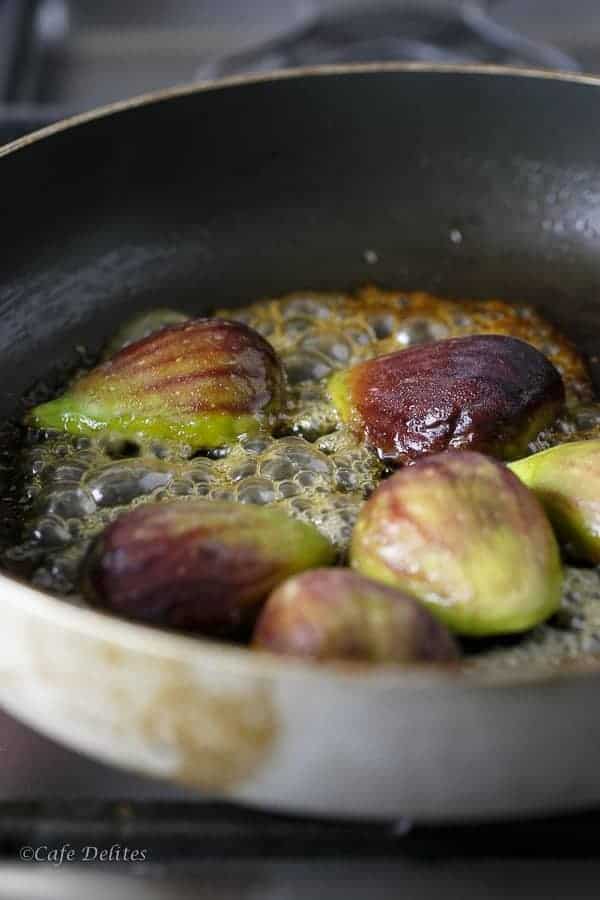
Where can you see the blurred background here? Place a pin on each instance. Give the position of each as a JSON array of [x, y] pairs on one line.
[[62, 56]]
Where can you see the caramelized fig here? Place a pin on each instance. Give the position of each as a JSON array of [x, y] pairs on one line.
[[203, 382], [338, 614], [141, 327], [484, 392], [198, 564], [461, 533], [567, 481]]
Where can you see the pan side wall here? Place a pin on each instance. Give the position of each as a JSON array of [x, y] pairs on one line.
[[463, 184]]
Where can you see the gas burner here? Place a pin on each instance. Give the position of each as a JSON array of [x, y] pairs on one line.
[[452, 33], [59, 57]]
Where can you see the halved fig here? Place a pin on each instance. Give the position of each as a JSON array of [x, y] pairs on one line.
[[566, 479], [203, 383], [461, 533], [198, 564], [484, 392], [328, 614]]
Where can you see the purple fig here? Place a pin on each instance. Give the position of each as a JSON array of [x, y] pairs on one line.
[[198, 564], [485, 392], [338, 614], [203, 382]]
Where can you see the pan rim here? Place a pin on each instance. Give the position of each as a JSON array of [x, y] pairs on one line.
[[160, 642], [237, 659], [200, 87]]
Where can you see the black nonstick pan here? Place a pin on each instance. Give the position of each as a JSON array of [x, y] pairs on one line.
[[460, 181]]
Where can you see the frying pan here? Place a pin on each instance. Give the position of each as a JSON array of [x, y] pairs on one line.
[[464, 181]]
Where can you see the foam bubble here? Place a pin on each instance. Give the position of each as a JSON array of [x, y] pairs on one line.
[[71, 503], [120, 483], [306, 366], [256, 490]]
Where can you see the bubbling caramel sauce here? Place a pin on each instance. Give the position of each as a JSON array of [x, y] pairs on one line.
[[313, 468]]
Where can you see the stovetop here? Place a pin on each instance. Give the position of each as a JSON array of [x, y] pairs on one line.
[[70, 827], [57, 58]]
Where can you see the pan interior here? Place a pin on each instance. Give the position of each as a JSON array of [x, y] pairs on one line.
[[459, 184]]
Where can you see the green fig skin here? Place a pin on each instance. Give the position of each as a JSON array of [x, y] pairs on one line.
[[461, 533], [196, 564], [337, 614], [566, 479], [203, 383]]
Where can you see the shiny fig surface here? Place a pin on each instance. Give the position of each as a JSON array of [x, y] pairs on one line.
[[461, 533], [485, 392], [197, 564], [566, 479], [202, 382], [329, 614]]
